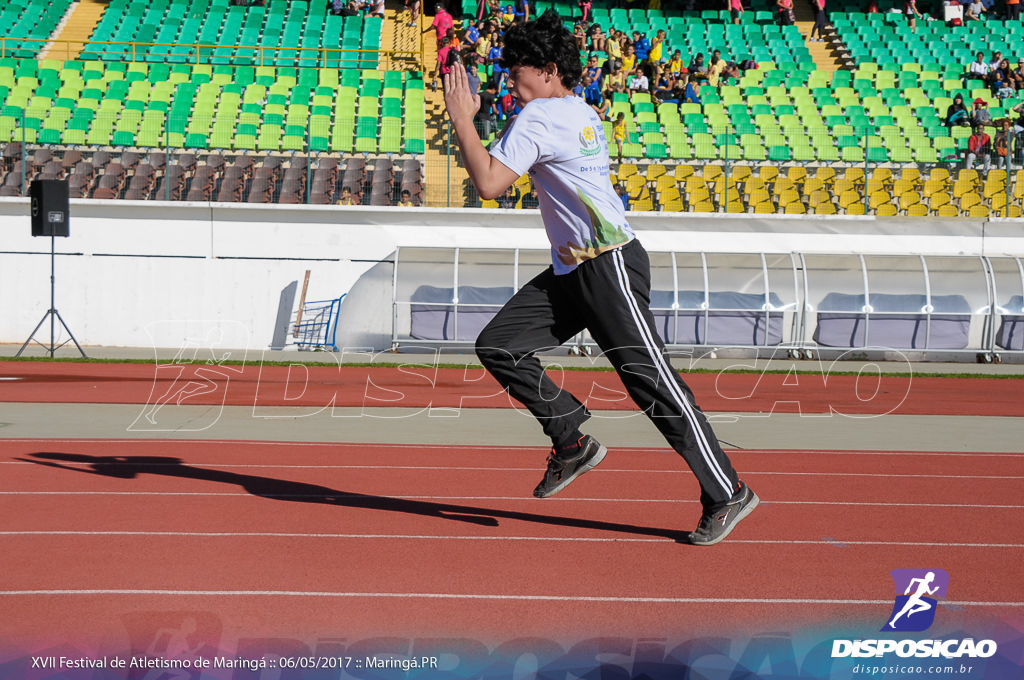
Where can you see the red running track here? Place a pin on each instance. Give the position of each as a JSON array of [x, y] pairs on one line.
[[105, 539], [418, 386]]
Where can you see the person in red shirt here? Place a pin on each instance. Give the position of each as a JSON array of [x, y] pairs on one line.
[[447, 56], [979, 146], [442, 22], [820, 20]]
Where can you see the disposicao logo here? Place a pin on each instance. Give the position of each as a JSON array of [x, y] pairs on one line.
[[916, 590], [914, 611]]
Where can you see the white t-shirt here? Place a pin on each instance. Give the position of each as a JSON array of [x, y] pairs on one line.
[[561, 142]]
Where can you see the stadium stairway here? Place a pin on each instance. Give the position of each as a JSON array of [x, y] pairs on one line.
[[400, 43], [446, 182], [69, 42], [825, 54]]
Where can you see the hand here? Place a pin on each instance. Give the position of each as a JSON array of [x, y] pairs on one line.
[[460, 103]]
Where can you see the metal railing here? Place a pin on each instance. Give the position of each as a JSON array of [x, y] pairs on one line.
[[204, 53]]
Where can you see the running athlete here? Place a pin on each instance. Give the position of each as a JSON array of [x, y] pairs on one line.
[[599, 279], [914, 603]]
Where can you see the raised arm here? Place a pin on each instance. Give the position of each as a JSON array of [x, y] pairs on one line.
[[490, 176]]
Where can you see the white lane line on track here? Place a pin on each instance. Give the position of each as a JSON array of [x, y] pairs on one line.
[[399, 448], [473, 596], [448, 469], [422, 537], [343, 495]]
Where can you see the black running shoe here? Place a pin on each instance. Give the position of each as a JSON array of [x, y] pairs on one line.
[[714, 526], [562, 470]]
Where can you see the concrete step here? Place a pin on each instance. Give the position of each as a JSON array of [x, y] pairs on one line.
[[77, 28]]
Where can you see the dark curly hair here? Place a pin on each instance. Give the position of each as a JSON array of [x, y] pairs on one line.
[[543, 41]]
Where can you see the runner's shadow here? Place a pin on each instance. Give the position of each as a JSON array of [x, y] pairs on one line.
[[129, 467]]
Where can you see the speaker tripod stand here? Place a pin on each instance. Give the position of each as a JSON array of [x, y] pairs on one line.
[[52, 314]]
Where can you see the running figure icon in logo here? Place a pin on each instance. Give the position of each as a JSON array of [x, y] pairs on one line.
[[917, 586]]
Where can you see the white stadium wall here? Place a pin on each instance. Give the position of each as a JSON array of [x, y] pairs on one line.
[[154, 274]]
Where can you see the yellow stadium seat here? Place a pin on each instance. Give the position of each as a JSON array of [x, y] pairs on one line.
[[841, 186], [855, 209], [643, 204], [768, 173], [664, 183], [948, 210], [788, 197], [703, 207], [968, 201], [741, 173], [962, 189], [937, 200], [917, 210], [693, 182], [670, 194], [759, 196], [886, 210], [911, 175], [878, 199], [883, 175], [875, 185], [902, 186], [764, 208], [855, 175], [683, 171], [655, 171], [626, 170], [909, 198], [825, 174], [813, 184], [753, 184], [783, 184], [939, 174], [977, 211], [967, 176], [991, 188], [697, 196], [712, 171], [675, 205], [796, 208], [848, 198], [933, 186]]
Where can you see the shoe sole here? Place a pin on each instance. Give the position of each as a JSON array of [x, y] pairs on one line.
[[739, 518], [602, 451]]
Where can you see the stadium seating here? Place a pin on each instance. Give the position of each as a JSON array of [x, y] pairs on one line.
[[208, 176], [283, 34], [25, 25], [211, 107]]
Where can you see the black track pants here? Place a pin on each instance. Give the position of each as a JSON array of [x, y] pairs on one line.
[[610, 297]]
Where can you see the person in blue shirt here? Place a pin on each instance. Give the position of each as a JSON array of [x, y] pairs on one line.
[[472, 32], [692, 92], [592, 69], [494, 59], [642, 46], [624, 195]]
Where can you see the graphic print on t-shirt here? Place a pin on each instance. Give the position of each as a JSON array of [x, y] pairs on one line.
[[606, 236]]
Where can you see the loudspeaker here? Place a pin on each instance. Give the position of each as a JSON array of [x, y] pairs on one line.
[[50, 207]]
